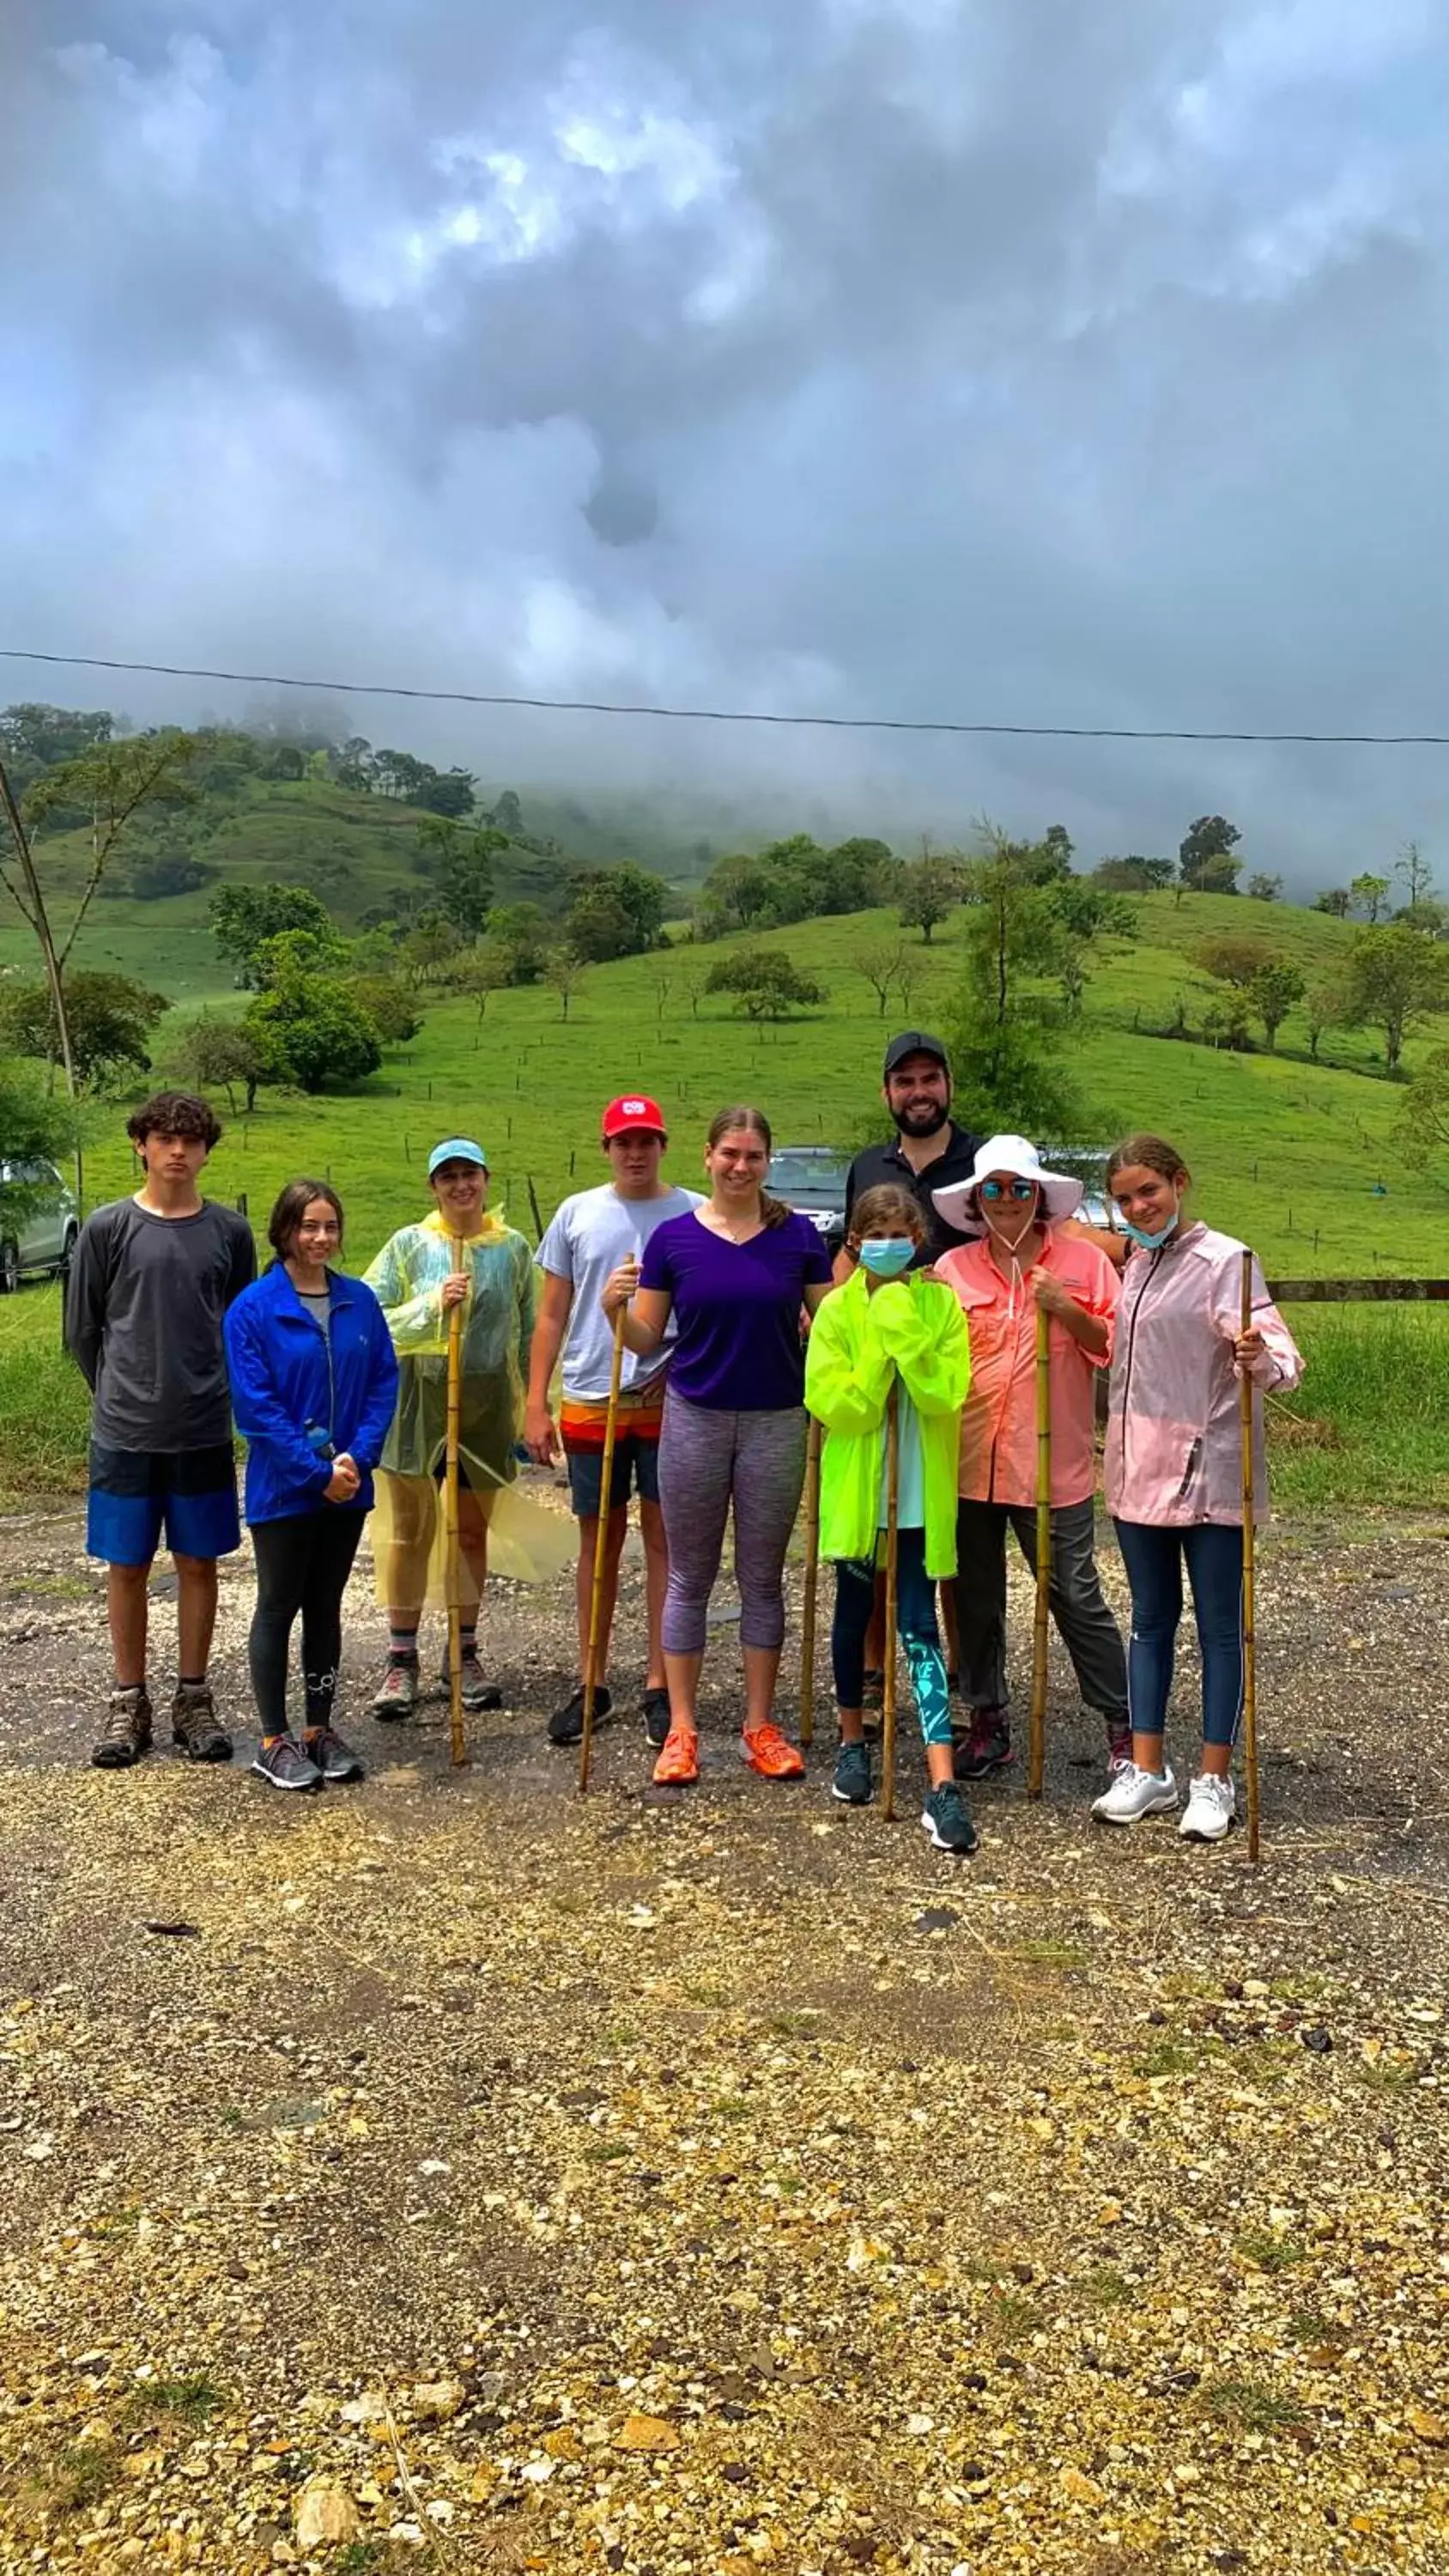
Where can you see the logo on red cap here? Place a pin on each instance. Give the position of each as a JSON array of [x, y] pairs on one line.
[[634, 1113]]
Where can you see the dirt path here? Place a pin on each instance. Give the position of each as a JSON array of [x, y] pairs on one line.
[[724, 2182]]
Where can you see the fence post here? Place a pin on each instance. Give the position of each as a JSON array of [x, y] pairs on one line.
[[241, 1203]]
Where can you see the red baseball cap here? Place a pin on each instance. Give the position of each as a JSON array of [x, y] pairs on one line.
[[634, 1115]]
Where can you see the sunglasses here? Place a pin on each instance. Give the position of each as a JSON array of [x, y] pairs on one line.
[[1008, 1189]]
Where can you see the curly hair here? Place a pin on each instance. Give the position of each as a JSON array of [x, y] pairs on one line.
[[175, 1113]]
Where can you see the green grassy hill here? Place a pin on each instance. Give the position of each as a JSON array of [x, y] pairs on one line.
[[1287, 1153]]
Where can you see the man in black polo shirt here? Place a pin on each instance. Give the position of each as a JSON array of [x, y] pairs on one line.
[[928, 1149]]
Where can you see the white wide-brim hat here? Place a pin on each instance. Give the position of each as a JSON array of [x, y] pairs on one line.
[[1061, 1196]]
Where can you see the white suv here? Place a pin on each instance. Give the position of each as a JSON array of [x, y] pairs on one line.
[[41, 1233]]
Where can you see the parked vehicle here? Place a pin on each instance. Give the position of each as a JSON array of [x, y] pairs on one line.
[[38, 1231], [811, 1178]]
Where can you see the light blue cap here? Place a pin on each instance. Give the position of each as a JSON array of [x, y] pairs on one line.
[[456, 1149]]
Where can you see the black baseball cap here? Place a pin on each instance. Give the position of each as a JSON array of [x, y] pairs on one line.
[[913, 1042]]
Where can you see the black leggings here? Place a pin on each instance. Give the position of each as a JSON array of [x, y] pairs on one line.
[[302, 1564]]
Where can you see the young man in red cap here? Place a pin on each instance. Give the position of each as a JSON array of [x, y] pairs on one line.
[[595, 1233]]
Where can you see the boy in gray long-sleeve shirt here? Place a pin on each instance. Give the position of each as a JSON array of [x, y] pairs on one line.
[[150, 1281]]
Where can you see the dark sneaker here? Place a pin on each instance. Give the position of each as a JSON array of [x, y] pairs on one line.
[[476, 1692], [284, 1765], [985, 1746], [194, 1726], [397, 1694], [126, 1734], [566, 1726], [947, 1820], [335, 1760], [656, 1717], [851, 1784], [1119, 1748]]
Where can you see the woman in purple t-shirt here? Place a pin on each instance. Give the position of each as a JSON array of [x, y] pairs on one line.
[[734, 1274]]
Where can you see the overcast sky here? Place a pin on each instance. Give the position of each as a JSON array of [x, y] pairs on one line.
[[1013, 359]]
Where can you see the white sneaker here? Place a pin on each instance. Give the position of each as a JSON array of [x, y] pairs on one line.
[[1135, 1794], [1212, 1808]]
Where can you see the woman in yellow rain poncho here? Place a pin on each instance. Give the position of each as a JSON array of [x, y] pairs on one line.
[[417, 1278]]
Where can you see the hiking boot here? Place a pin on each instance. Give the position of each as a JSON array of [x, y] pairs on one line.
[[656, 1715], [1119, 1747], [1134, 1794], [985, 1746], [194, 1726], [397, 1695], [126, 1734], [335, 1760], [284, 1765], [852, 1784], [1211, 1810], [947, 1820], [770, 1753], [476, 1692], [566, 1726], [678, 1763]]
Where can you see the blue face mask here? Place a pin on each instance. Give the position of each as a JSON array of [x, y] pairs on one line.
[[887, 1255], [1151, 1242]]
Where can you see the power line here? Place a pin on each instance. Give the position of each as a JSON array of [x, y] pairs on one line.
[[725, 715]]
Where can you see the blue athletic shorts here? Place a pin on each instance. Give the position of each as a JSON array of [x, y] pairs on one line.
[[635, 1463], [136, 1493]]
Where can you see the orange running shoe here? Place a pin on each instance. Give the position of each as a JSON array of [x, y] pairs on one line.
[[678, 1764], [767, 1751]]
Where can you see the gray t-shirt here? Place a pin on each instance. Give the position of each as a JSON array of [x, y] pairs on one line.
[[318, 1304], [591, 1234], [143, 1317]]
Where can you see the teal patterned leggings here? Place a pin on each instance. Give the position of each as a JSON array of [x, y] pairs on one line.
[[916, 1620]]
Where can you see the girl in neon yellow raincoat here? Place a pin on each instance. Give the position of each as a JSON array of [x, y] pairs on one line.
[[461, 1254]]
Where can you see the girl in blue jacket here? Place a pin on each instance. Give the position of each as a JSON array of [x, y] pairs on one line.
[[313, 1386]]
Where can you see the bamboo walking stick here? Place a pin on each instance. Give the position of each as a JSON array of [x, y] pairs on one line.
[[812, 1582], [601, 1543], [1036, 1747], [888, 1694], [1250, 1643], [458, 1745]]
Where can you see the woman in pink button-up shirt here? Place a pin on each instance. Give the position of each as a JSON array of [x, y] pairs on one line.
[[1022, 1261]]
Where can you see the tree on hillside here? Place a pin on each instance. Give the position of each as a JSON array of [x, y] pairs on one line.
[[738, 894], [1231, 961], [352, 764], [34, 737], [525, 936], [34, 1127], [430, 951], [243, 916], [1007, 1040], [461, 866], [1394, 980], [879, 963], [297, 952], [1205, 859], [484, 970], [930, 890], [1325, 1007], [392, 1009], [102, 787], [565, 972], [1423, 1125], [214, 1052], [1133, 875], [1370, 895], [1272, 994], [1418, 879], [1265, 889], [1335, 900], [310, 1030], [507, 815], [765, 983], [110, 1017], [615, 912]]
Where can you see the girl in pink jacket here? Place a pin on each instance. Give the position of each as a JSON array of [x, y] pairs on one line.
[[1174, 1471]]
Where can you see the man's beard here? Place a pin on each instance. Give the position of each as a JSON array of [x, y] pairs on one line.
[[920, 1117]]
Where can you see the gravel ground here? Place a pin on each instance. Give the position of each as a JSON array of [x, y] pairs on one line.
[[722, 2182]]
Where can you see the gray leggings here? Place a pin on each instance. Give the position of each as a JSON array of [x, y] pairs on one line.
[[707, 1458]]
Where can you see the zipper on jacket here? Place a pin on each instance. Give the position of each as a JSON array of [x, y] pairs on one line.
[[1154, 1259], [1190, 1470]]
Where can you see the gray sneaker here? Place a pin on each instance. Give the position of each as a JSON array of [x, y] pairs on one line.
[[335, 1760], [126, 1735], [947, 1820], [1135, 1794], [285, 1766], [476, 1692], [397, 1695], [851, 1783], [194, 1726]]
